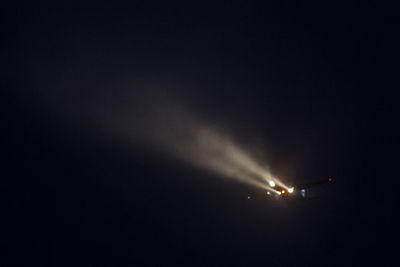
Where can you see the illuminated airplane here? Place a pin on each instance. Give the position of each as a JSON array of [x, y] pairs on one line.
[[301, 191]]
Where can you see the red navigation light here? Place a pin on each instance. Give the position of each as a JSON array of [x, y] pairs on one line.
[[330, 179], [283, 191]]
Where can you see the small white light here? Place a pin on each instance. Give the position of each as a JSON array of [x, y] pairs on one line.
[[290, 190], [272, 183], [278, 193], [268, 193]]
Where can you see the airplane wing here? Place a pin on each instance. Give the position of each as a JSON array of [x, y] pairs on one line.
[[314, 183], [314, 189]]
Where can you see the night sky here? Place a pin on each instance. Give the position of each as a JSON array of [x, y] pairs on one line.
[[307, 88]]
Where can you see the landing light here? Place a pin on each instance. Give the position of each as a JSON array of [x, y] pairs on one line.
[[290, 190]]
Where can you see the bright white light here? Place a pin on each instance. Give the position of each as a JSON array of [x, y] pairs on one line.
[[272, 183], [278, 193], [268, 193], [290, 190]]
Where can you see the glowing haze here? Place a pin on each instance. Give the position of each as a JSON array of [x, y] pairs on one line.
[[158, 122], [207, 148], [174, 130]]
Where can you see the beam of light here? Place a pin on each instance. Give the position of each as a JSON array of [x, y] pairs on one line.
[[275, 191], [207, 148], [281, 184], [164, 125]]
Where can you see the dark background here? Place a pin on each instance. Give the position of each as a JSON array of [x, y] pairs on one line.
[[313, 83]]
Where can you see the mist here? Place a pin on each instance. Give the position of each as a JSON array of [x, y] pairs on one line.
[[156, 117]]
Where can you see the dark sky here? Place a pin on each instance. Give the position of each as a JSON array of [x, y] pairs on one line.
[[312, 83]]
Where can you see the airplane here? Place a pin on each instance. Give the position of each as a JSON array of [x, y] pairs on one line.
[[308, 190]]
